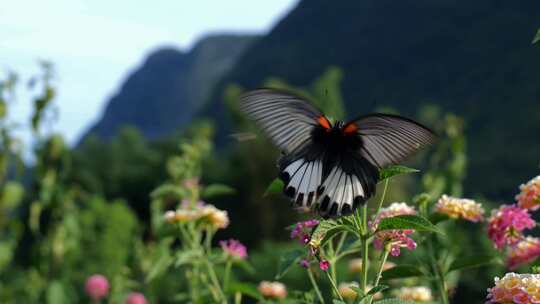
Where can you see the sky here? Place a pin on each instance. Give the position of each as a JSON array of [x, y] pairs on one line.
[[94, 44]]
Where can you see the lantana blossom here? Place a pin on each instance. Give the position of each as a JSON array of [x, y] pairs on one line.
[[506, 225], [273, 290], [515, 288], [234, 249], [396, 239], [526, 251], [414, 293], [206, 214], [529, 196], [460, 208], [302, 230]]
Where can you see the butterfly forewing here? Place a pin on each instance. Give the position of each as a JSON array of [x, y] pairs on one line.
[[286, 118], [389, 139]]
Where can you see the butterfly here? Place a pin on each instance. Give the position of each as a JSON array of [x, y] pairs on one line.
[[331, 168]]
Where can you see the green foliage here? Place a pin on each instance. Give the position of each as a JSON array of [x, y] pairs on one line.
[[394, 170], [414, 222]]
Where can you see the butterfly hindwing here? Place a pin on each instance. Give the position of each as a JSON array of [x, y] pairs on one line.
[[302, 178], [349, 184]]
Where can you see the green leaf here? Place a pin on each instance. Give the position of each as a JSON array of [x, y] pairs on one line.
[[325, 230], [159, 267], [168, 191], [214, 190], [470, 262], [391, 171], [407, 221], [275, 187], [244, 288], [245, 266], [376, 289], [287, 260], [536, 37], [394, 301], [55, 293], [402, 271], [12, 195], [186, 257], [436, 218], [338, 302]]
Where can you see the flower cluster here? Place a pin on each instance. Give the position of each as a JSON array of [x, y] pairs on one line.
[[273, 290], [97, 287], [301, 230], [396, 239], [515, 288], [234, 249], [526, 251], [529, 196], [415, 293], [136, 298], [201, 212], [506, 225], [460, 208]]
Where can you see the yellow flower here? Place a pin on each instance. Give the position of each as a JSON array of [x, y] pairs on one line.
[[275, 290], [460, 208], [416, 293], [345, 290], [355, 265]]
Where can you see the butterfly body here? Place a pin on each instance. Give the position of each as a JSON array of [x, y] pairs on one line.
[[331, 168]]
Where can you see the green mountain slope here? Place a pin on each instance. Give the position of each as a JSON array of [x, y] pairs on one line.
[[168, 89], [474, 58]]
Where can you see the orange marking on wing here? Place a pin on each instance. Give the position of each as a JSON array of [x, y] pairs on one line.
[[323, 121], [350, 128]]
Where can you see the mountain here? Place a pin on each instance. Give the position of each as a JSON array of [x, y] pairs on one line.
[[168, 89], [473, 58]]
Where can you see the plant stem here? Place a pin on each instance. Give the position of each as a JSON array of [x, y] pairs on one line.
[[215, 281], [438, 273], [382, 196], [365, 249], [334, 286], [227, 275], [315, 286], [379, 272]]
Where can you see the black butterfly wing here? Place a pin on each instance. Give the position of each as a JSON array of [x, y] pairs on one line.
[[388, 139], [289, 122], [351, 181], [287, 119]]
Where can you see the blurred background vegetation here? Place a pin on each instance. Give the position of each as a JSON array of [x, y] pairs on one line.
[[466, 69]]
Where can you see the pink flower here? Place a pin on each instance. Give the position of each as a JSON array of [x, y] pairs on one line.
[[524, 252], [529, 197], [304, 263], [234, 248], [515, 288], [97, 287], [506, 225], [396, 239], [324, 265], [136, 298], [302, 230]]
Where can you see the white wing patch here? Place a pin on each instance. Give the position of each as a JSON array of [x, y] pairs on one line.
[[302, 179], [340, 194]]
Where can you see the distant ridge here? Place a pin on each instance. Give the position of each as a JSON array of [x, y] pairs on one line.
[[166, 91]]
